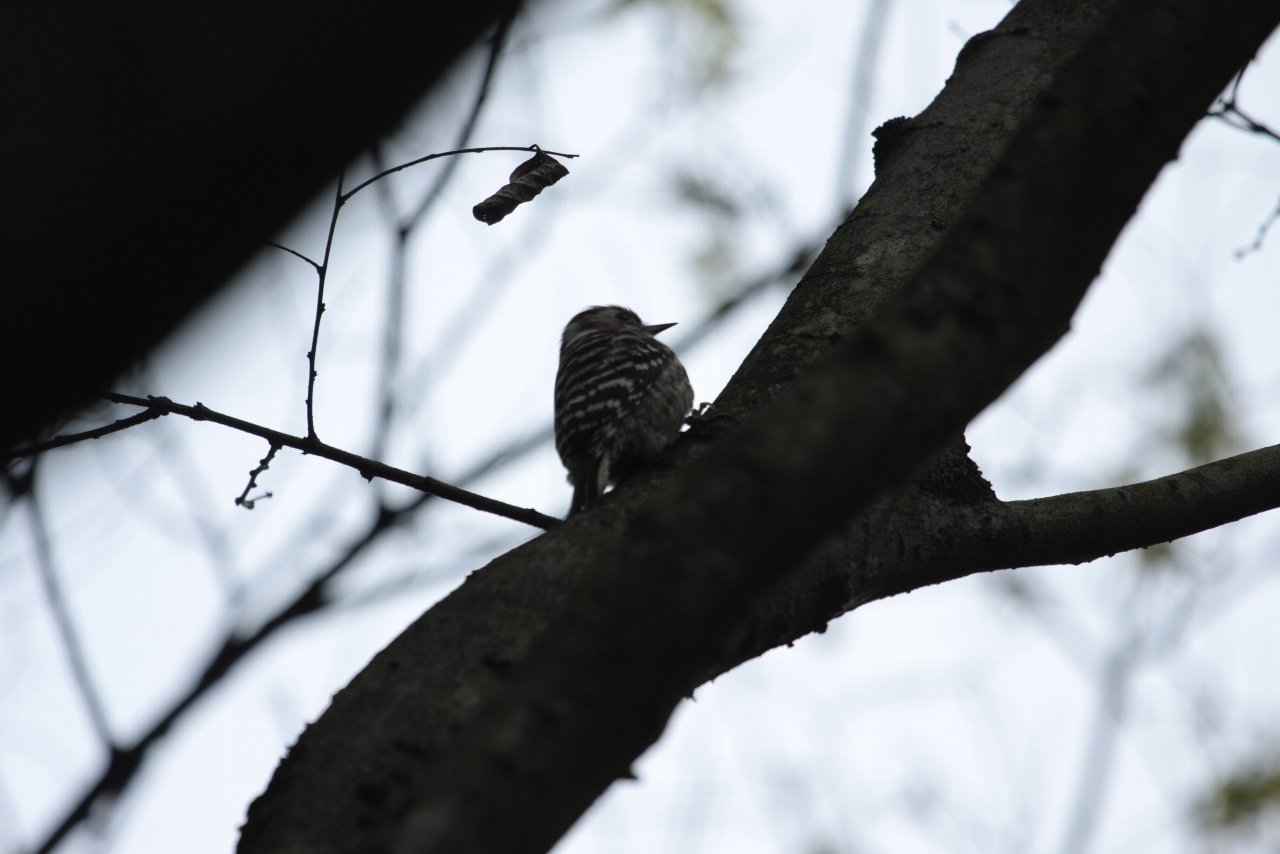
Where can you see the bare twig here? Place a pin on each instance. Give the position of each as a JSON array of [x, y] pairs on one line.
[[243, 500], [1067, 530], [295, 253], [72, 438], [1228, 110], [394, 169], [1258, 238], [322, 268], [322, 273], [125, 763], [367, 468], [1237, 118]]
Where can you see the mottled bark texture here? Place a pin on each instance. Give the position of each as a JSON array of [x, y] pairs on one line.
[[151, 148], [499, 716]]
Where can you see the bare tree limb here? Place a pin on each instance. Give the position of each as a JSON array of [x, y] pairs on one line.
[[525, 692], [123, 766], [1079, 527], [394, 169], [125, 762], [367, 468], [295, 253], [322, 267], [72, 438], [322, 274], [387, 728], [598, 688], [243, 500]]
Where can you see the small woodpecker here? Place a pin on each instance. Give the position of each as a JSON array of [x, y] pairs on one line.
[[621, 398]]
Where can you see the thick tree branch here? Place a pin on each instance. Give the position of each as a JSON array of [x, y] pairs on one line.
[[598, 688], [515, 701], [1079, 527], [1082, 526], [367, 468], [124, 763]]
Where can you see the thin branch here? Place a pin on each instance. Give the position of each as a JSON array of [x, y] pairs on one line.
[[322, 269], [243, 500], [1258, 238], [124, 765], [72, 643], [295, 253], [1228, 111], [72, 438], [322, 274], [1236, 118], [1079, 527], [125, 762], [601, 681], [367, 468], [394, 169]]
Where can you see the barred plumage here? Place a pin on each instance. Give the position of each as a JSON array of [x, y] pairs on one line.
[[621, 397]]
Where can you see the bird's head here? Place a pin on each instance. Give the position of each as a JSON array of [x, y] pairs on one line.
[[602, 318]]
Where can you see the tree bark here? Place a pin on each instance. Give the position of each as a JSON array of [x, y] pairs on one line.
[[499, 716]]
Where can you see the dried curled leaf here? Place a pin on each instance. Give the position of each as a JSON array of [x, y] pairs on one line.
[[527, 180]]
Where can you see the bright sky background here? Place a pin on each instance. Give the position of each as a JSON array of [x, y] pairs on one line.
[[955, 719]]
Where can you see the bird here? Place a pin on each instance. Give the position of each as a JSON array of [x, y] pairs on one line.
[[621, 397]]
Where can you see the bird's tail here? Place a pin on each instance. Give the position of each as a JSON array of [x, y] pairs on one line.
[[586, 490]]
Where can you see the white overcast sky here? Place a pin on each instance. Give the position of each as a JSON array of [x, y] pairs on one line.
[[953, 719]]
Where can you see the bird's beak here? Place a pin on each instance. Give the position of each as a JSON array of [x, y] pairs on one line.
[[658, 327]]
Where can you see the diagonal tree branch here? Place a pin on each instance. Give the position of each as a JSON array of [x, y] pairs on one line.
[[1079, 527], [640, 635], [72, 438], [367, 468], [125, 762], [658, 579]]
